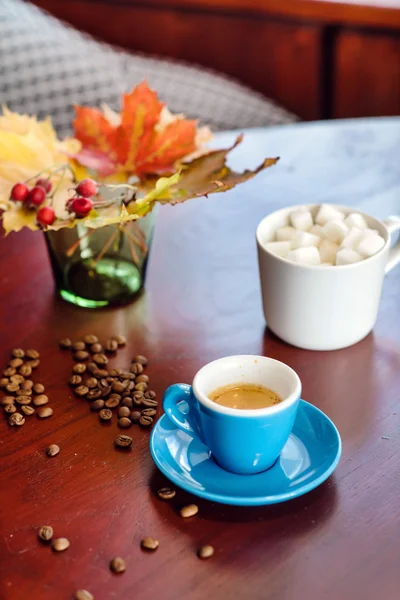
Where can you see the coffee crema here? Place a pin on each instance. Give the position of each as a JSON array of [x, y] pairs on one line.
[[244, 396]]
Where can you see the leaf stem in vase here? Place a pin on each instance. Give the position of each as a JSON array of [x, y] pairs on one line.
[[75, 245], [105, 248], [136, 241], [135, 257]]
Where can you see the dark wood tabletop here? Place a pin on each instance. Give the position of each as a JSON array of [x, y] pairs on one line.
[[202, 301]]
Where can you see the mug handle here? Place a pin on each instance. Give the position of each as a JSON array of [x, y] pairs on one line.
[[187, 421], [393, 225]]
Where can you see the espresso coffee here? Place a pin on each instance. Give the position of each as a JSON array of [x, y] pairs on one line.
[[244, 396]]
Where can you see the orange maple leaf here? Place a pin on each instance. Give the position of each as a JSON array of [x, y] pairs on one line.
[[136, 142]]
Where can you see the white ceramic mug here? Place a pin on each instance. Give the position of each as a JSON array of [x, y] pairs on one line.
[[323, 308]]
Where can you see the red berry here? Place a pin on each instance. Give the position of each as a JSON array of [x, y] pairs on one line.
[[45, 184], [46, 215], [81, 206], [87, 188], [19, 192], [36, 196]]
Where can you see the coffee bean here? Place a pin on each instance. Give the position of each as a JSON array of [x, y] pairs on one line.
[[189, 511], [75, 380], [91, 367], [18, 353], [11, 408], [100, 373], [27, 410], [127, 402], [33, 364], [141, 387], [65, 344], [52, 450], [31, 353], [44, 412], [138, 395], [135, 416], [111, 346], [16, 420], [40, 400], [118, 386], [91, 382], [150, 394], [112, 402], [145, 421], [26, 385], [117, 565], [124, 422], [5, 400], [81, 355], [25, 370], [142, 378], [115, 372], [38, 388], [105, 414], [9, 372], [124, 411], [90, 339], [166, 493], [17, 379], [149, 543], [205, 551], [100, 359], [96, 348], [79, 368], [83, 595], [120, 339], [131, 386], [81, 390], [142, 360], [22, 392], [123, 441], [149, 403], [45, 533], [129, 376], [102, 383], [149, 412], [16, 362], [60, 544], [77, 346], [93, 394], [136, 368], [105, 391], [97, 405], [5, 380], [23, 400], [12, 387]]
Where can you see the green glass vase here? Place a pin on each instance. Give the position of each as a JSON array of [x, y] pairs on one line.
[[101, 267]]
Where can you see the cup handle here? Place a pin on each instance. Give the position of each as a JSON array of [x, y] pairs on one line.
[[393, 225], [188, 420]]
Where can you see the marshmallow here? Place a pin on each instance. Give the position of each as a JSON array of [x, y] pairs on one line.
[[356, 220], [301, 219], [316, 230], [352, 239], [370, 244], [346, 256], [303, 239], [285, 234], [328, 213], [279, 248], [335, 231], [305, 256], [327, 251]]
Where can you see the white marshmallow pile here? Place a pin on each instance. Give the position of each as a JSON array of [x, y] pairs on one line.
[[331, 239]]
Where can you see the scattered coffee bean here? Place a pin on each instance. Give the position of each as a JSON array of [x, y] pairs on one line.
[[25, 370], [97, 405], [127, 402], [45, 533], [11, 408], [149, 543], [205, 551], [12, 387], [166, 493], [105, 414], [100, 359], [52, 450], [83, 595], [102, 383], [75, 380], [31, 353], [124, 422], [16, 362], [149, 403], [104, 392], [120, 339], [81, 355], [142, 360], [145, 421], [149, 412], [65, 344], [135, 416], [22, 392], [94, 395], [96, 348], [5, 400], [112, 402], [91, 382], [38, 388], [44, 412], [40, 400], [77, 346], [111, 346], [33, 364], [18, 353], [90, 339], [115, 372], [91, 367], [60, 544], [27, 410], [141, 387], [100, 373], [79, 368], [117, 565], [137, 401], [142, 378], [150, 394], [26, 385], [124, 411], [136, 368], [123, 441], [118, 387], [189, 511], [131, 386], [23, 400], [17, 379], [81, 390], [4, 381], [9, 371], [16, 420], [129, 376]]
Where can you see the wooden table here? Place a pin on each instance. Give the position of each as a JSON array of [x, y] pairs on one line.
[[202, 301]]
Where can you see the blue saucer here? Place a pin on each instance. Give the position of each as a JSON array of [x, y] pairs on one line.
[[309, 457]]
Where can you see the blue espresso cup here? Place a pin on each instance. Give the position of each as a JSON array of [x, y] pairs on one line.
[[241, 441]]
